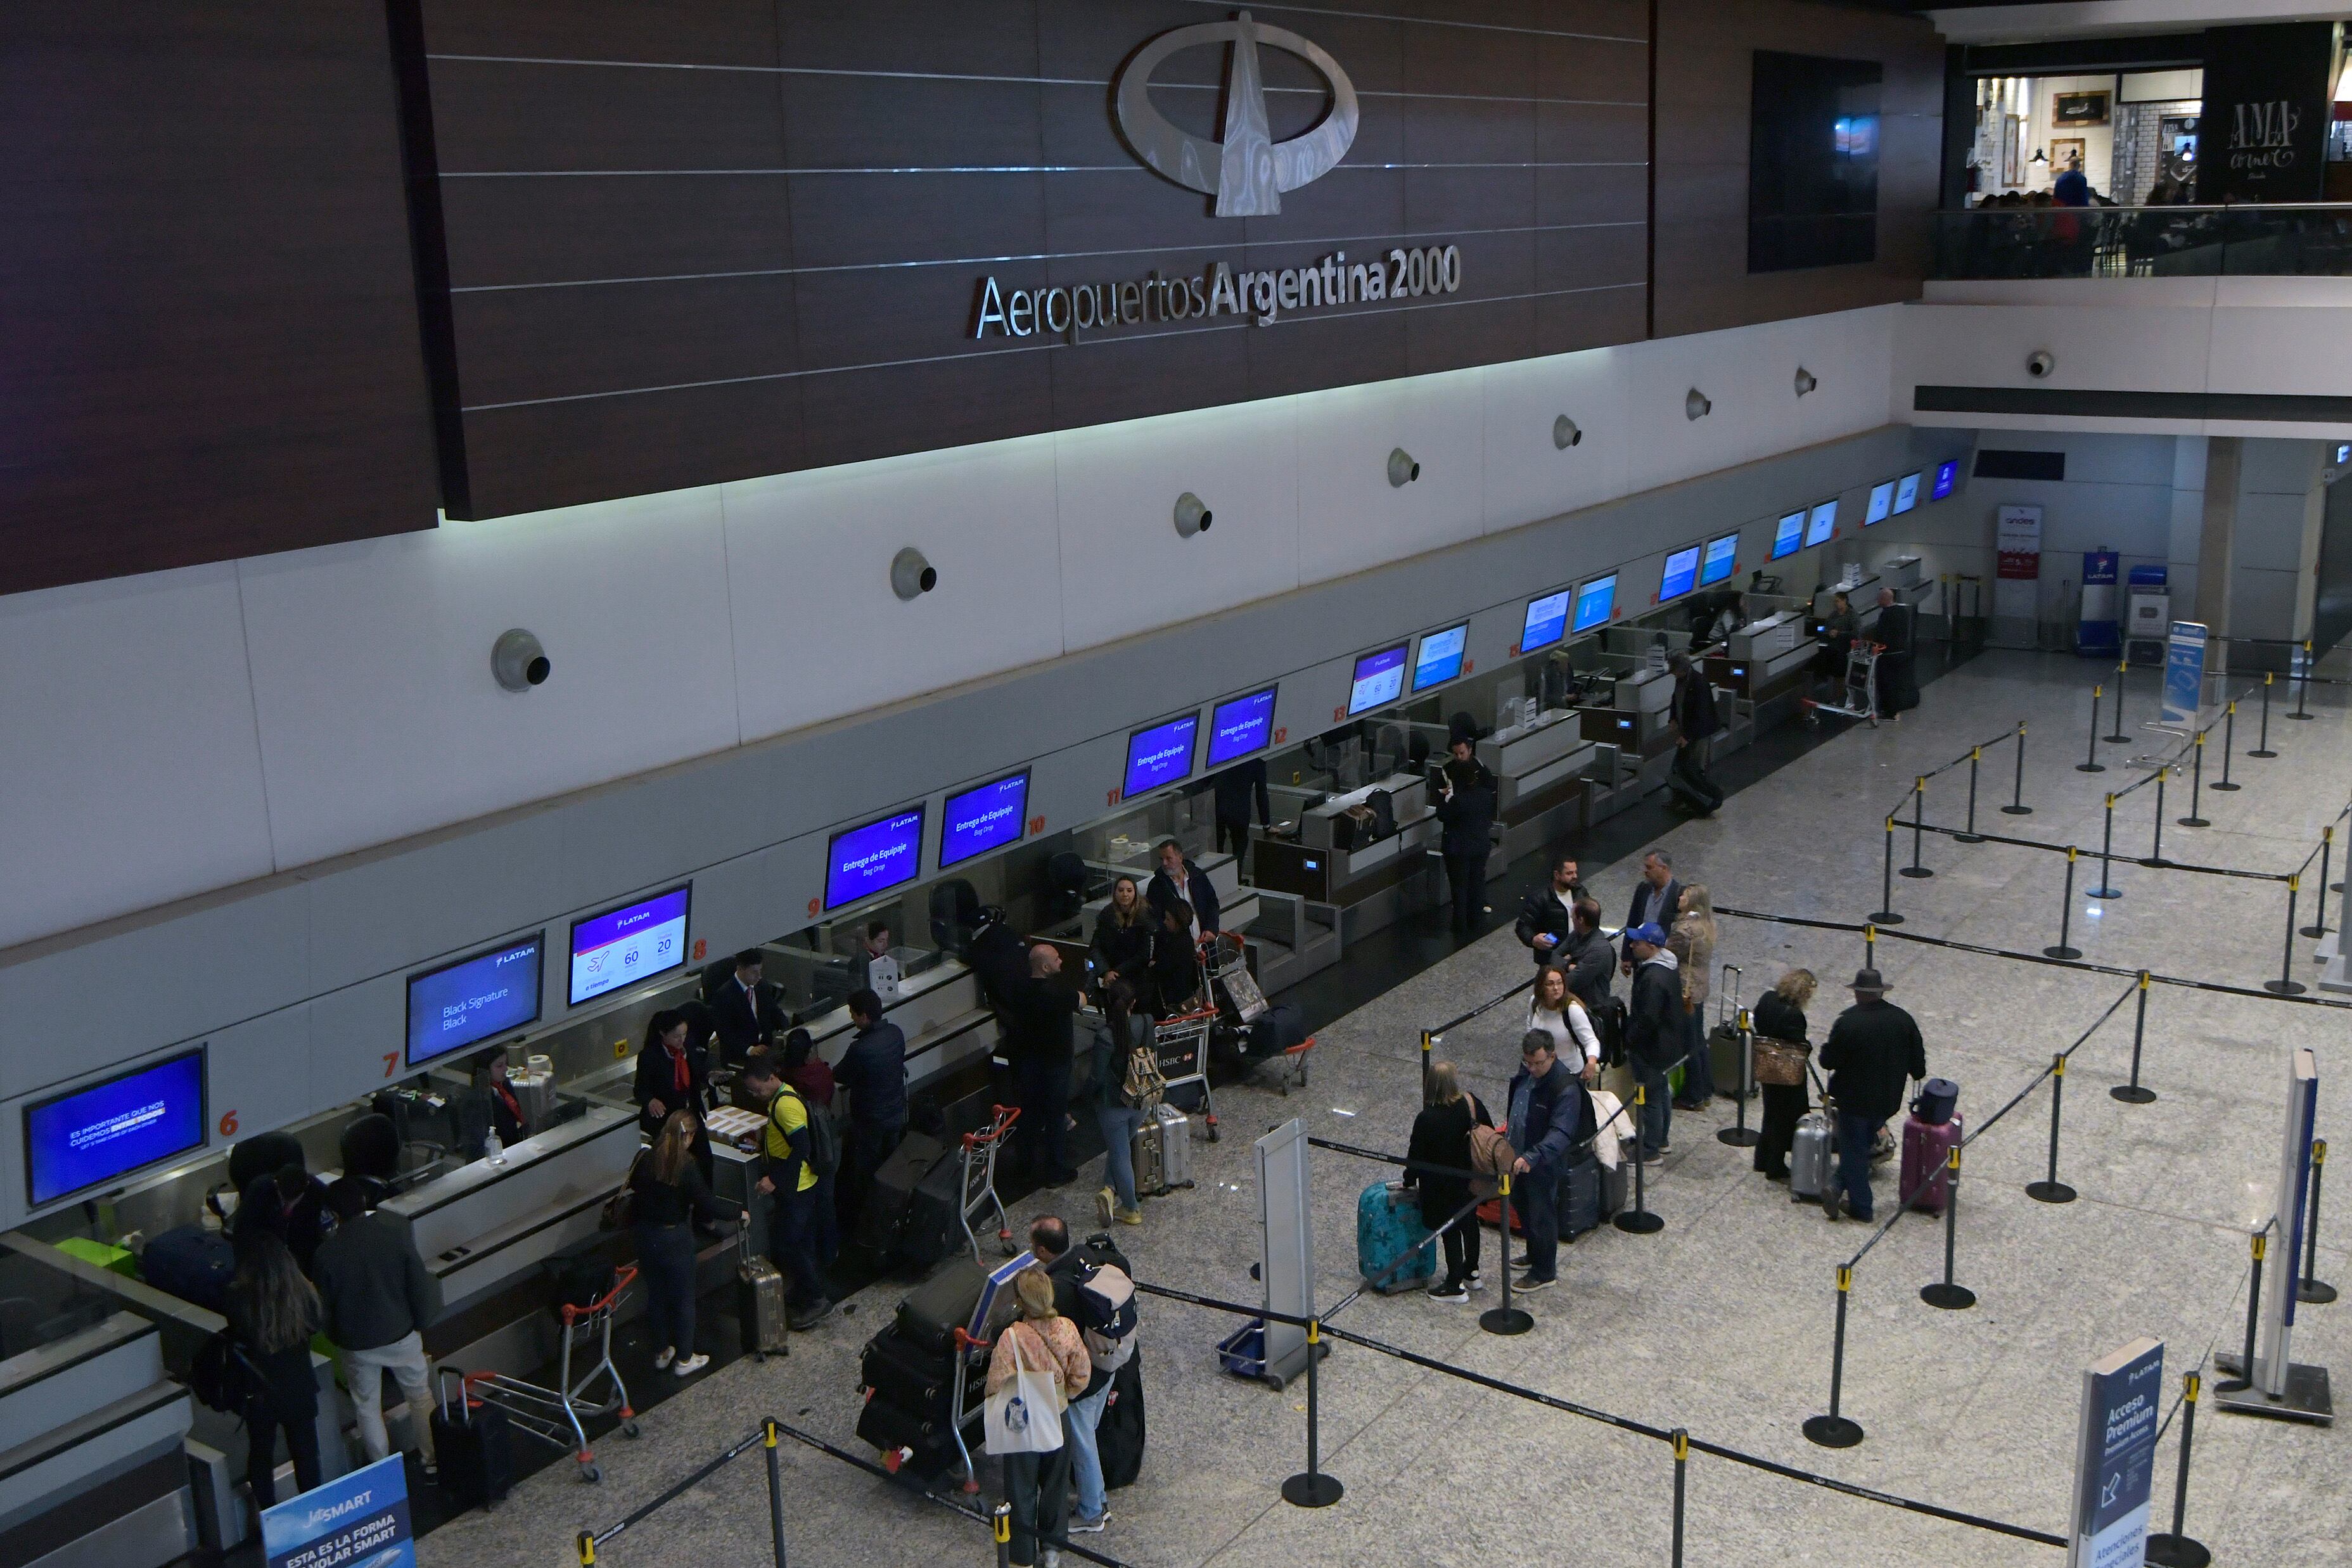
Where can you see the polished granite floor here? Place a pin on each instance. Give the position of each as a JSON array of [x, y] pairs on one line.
[[1721, 1323]]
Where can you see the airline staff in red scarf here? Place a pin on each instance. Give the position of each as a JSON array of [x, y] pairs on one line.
[[505, 1105], [674, 1074]]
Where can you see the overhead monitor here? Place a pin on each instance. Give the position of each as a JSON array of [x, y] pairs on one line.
[[1379, 679], [1546, 622], [89, 1136], [1240, 726], [1682, 571], [875, 857], [623, 945], [466, 1002], [1441, 656], [1160, 754], [1882, 502], [1789, 535], [1722, 558], [986, 817], [1596, 602], [1947, 475], [1906, 494], [1822, 526]]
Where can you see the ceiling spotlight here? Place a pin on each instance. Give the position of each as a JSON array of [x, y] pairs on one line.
[[910, 575], [516, 661], [1402, 469], [1564, 433], [1696, 406], [1192, 517], [1806, 382]]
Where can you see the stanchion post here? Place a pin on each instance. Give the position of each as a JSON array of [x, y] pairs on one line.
[[2196, 818], [2263, 741], [2287, 985], [2131, 1093], [2107, 888], [1836, 1430], [2254, 1322], [1506, 1319], [2066, 916], [2017, 806], [2311, 1288], [2229, 744], [2326, 848], [2303, 683], [2175, 1549], [1000, 1526], [775, 1493], [1884, 914], [1869, 945], [1640, 1221], [2091, 763], [1740, 1135], [1918, 828], [1311, 1488], [2050, 1189], [583, 1546], [1944, 1295], [1428, 1044], [1682, 1466], [1969, 835], [2156, 849], [2123, 668]]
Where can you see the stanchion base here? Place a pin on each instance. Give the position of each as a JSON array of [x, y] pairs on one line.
[[2261, 754], [1948, 1298], [2050, 1192], [1739, 1137], [2314, 930], [1832, 1431], [2017, 811], [1913, 871], [2062, 952], [2285, 988], [1312, 1489], [1968, 838], [2133, 1095], [1883, 917], [2170, 1550], [2193, 821], [2227, 789], [2306, 717], [1639, 1222], [2306, 1398], [2314, 1292], [2104, 893], [1506, 1319], [2089, 768]]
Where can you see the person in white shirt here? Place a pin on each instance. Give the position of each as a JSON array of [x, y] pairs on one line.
[[1556, 1010]]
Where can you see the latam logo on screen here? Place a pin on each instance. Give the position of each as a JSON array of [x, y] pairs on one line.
[[1246, 171]]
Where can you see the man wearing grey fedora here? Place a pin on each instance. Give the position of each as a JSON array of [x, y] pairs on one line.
[[1872, 1048]]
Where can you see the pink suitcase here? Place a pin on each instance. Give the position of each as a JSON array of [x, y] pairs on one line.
[[1927, 1147]]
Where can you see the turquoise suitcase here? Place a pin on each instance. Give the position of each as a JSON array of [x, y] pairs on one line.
[[1388, 1227]]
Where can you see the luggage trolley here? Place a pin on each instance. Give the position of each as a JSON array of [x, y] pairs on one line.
[[1860, 692], [1238, 994], [552, 1415], [980, 1150]]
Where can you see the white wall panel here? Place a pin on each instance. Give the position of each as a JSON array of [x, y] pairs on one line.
[[129, 775], [1529, 478], [371, 665], [818, 633], [1349, 516], [2151, 349], [1851, 355], [2282, 349], [1125, 569]]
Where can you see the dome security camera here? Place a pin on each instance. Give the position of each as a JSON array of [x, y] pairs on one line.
[[1192, 517], [1402, 469], [910, 575], [1696, 406], [1564, 433], [516, 661], [2040, 363]]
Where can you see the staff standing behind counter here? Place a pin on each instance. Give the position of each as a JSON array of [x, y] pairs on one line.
[[674, 1074]]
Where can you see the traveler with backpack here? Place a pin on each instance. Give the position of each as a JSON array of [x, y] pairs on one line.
[[1099, 1297], [272, 1313], [1549, 1115], [1655, 1039], [1128, 1084], [1440, 1149], [796, 1149]]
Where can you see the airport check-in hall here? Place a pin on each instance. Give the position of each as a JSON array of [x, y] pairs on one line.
[[1138, 783]]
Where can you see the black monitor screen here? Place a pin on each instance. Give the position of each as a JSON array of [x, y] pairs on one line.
[[1813, 163]]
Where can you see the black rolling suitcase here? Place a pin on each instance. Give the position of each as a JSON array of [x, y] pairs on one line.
[[934, 1215], [1581, 1199], [919, 1447], [920, 1381], [942, 1304], [474, 1445], [884, 1218]]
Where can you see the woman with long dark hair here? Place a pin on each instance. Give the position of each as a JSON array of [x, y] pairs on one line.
[[669, 1194], [1122, 944], [1124, 1031], [272, 1313]]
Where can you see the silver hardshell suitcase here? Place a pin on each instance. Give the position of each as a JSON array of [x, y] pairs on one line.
[[1163, 1151]]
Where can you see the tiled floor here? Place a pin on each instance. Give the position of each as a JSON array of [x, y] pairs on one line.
[[1720, 1323]]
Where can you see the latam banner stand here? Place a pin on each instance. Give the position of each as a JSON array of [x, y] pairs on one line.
[[2281, 1387], [2016, 587], [2115, 1457], [2184, 674], [356, 1520]]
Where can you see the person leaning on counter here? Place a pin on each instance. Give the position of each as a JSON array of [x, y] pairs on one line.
[[674, 1074], [748, 1010]]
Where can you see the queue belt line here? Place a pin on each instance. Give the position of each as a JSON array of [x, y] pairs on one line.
[[2170, 865]]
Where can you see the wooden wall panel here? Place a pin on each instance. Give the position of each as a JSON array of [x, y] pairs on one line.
[[213, 346]]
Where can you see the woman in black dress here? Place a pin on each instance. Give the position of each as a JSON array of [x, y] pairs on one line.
[[1779, 1014], [1440, 1138]]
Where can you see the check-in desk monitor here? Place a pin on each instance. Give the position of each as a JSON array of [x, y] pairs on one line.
[[466, 1002], [1906, 492], [1546, 622], [1441, 656], [1378, 680], [1789, 535], [90, 1136], [1948, 475], [1722, 557], [873, 858], [1681, 571], [986, 818], [632, 943], [1240, 727], [1823, 525], [1881, 503], [1160, 754], [1596, 602]]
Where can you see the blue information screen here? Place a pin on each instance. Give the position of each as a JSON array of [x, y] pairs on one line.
[[462, 1003], [1906, 494], [1682, 571], [623, 945], [1441, 658], [1161, 754], [1882, 501], [92, 1135], [875, 858], [1789, 535], [984, 819], [1823, 525], [1947, 475], [1379, 678], [1546, 622], [1240, 727], [1595, 602], [1721, 560]]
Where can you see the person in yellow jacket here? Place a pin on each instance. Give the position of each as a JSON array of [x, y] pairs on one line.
[[790, 1179]]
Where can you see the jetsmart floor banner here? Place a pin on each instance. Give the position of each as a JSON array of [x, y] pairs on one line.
[[356, 1520]]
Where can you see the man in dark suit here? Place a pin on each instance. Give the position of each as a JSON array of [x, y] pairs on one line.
[[749, 1012], [1238, 789], [1899, 682], [1467, 797], [874, 1070], [1179, 880], [1657, 895]]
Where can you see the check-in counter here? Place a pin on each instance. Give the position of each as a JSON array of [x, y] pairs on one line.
[[90, 1463], [1764, 659], [939, 1010], [1362, 881], [1540, 766]]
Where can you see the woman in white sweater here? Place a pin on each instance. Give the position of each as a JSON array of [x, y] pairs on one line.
[[1558, 1013]]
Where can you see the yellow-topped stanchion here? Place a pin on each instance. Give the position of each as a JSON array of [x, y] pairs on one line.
[[1505, 1318], [1310, 1488], [586, 1547], [2017, 806], [2229, 745], [2123, 668], [1886, 914], [2246, 1379], [1637, 1220], [2196, 818], [2173, 1547], [1681, 1441], [2050, 1189], [1969, 835], [1944, 1293], [2303, 684], [2263, 741], [2310, 1289], [2131, 1093], [1000, 1526], [2107, 888], [2327, 851], [1918, 829], [2287, 985], [775, 1489], [1740, 1134], [2091, 763], [1836, 1430], [2064, 949]]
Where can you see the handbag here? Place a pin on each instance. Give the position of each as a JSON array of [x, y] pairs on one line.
[[1780, 1062], [621, 1208], [1024, 1417]]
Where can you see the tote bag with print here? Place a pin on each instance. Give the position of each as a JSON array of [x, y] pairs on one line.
[[1024, 1417]]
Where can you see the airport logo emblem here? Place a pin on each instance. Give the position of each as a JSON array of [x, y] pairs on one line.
[[1247, 170]]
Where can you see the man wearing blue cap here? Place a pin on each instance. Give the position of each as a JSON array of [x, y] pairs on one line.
[[1654, 1030]]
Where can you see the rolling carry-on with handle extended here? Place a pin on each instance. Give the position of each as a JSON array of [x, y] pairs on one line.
[[1162, 1148], [1727, 1048], [473, 1444], [760, 1303], [1388, 1227], [1927, 1159]]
